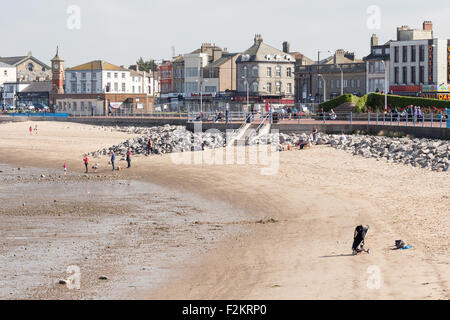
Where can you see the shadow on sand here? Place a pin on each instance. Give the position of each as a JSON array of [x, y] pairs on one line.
[[338, 256]]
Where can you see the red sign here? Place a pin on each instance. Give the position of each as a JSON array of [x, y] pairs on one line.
[[405, 88]]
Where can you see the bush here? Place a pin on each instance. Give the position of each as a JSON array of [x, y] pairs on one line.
[[375, 102], [327, 106]]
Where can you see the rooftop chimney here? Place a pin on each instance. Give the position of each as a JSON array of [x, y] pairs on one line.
[[286, 47], [258, 39], [428, 26], [374, 40]]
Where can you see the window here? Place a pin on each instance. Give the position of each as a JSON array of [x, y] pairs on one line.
[[255, 87], [74, 76], [210, 89], [269, 72], [269, 87], [421, 74], [332, 84], [108, 75], [73, 87], [345, 83], [108, 87], [255, 71], [191, 72], [124, 87], [134, 89], [211, 72], [278, 71], [82, 105], [289, 88], [396, 54], [371, 67], [6, 72], [116, 75], [413, 53], [83, 75], [405, 75], [352, 83], [413, 74], [123, 75], [75, 106], [278, 87], [358, 83], [289, 72], [422, 53], [93, 86], [94, 75], [30, 67], [396, 75], [116, 87], [244, 72], [405, 54], [83, 87]]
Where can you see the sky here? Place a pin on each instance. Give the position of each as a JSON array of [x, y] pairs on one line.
[[121, 31]]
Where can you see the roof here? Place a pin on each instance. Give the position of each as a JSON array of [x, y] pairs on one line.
[[39, 86], [97, 65], [259, 52], [5, 65], [14, 61], [225, 58]]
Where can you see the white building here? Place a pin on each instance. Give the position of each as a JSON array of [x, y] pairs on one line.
[[10, 91], [103, 77], [417, 59], [193, 77], [7, 73]]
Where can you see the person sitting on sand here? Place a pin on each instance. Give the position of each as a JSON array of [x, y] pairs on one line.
[[96, 167]]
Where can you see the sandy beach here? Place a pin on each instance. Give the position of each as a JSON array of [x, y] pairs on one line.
[[242, 235]]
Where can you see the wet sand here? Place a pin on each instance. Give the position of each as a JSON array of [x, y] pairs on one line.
[[316, 200]]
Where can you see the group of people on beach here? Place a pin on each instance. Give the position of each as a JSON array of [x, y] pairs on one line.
[[113, 159]]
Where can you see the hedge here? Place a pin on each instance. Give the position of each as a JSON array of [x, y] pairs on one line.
[[327, 106], [376, 101]]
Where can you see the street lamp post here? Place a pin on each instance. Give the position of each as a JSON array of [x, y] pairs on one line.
[[324, 88], [342, 79], [385, 85], [318, 71]]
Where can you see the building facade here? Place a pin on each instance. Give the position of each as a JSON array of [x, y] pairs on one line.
[[338, 74], [265, 74], [101, 88], [417, 59], [377, 66], [28, 68]]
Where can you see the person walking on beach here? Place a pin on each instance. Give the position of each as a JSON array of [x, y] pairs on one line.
[[113, 161], [129, 158], [31, 130], [65, 168], [315, 134], [35, 129], [149, 147], [86, 163]]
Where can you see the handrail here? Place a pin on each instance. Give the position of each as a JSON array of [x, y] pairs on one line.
[[263, 122]]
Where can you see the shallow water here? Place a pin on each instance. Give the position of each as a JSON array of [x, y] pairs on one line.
[[135, 233]]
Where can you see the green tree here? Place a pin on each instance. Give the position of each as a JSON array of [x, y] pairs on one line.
[[146, 65]]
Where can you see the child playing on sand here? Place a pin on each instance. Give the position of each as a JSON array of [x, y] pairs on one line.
[[31, 130], [65, 168]]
